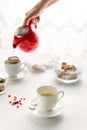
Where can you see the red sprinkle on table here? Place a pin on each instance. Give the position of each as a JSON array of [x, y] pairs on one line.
[[17, 106], [10, 102], [15, 101], [24, 98], [9, 95]]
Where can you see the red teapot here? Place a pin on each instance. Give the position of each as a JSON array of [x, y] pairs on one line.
[[26, 38]]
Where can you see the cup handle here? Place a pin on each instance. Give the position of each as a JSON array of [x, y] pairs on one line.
[[22, 66], [60, 95]]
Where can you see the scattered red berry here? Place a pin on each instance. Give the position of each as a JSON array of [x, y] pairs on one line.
[[20, 98], [9, 95], [16, 101], [24, 98], [10, 102], [15, 97], [20, 103], [17, 106]]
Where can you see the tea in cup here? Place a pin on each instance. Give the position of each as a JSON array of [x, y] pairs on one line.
[[48, 97], [13, 66]]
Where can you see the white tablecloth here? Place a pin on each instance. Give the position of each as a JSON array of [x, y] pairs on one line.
[[74, 116]]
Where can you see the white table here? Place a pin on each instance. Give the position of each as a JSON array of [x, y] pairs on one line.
[[75, 100]]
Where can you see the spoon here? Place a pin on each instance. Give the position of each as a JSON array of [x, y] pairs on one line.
[[33, 106]]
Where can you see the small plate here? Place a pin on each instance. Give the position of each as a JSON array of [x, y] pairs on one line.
[[19, 76], [55, 112], [68, 81], [2, 92]]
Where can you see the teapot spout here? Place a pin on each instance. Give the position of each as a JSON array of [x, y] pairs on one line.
[[14, 45], [16, 41]]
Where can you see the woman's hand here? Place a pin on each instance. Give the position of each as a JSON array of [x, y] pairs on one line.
[[32, 15]]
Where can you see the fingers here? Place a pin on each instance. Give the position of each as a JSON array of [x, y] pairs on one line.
[[37, 19], [31, 21], [25, 22], [27, 13]]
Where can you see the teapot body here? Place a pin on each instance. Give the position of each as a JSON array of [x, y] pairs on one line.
[[27, 43]]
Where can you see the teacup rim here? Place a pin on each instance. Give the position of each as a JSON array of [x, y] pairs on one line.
[[47, 86]]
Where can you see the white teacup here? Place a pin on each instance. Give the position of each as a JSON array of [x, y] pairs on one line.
[[48, 97], [13, 66]]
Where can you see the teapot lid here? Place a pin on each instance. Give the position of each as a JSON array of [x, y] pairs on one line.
[[21, 31]]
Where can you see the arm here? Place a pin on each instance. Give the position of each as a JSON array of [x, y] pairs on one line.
[[37, 10], [50, 2]]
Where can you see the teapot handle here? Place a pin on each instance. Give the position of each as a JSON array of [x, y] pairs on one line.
[[34, 22]]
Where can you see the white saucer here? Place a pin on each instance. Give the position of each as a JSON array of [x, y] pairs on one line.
[[19, 76], [6, 76], [55, 112], [68, 81]]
